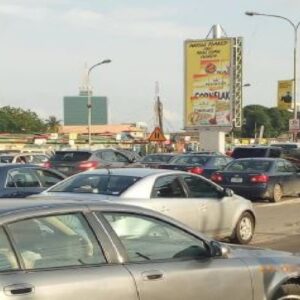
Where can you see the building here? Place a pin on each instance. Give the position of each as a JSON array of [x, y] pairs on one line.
[[76, 107]]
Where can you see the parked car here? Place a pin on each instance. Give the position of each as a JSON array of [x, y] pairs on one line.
[[71, 162], [265, 178], [22, 180], [26, 158], [199, 164], [154, 160], [286, 147], [256, 151], [190, 198], [54, 249]]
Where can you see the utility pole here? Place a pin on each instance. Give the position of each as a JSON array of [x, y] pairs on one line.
[[158, 108]]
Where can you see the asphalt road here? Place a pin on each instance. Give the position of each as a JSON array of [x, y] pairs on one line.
[[278, 225]]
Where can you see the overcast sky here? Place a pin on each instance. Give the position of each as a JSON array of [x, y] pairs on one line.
[[45, 43]]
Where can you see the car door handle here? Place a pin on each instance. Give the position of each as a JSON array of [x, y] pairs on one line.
[[18, 289], [152, 275]]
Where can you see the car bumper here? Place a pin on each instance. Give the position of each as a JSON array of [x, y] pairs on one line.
[[253, 191]]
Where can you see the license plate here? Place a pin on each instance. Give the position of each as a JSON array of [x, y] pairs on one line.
[[236, 179]]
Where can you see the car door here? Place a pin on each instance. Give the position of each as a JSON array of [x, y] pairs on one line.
[[293, 178], [21, 182], [283, 177], [59, 258], [214, 212], [169, 197], [169, 263]]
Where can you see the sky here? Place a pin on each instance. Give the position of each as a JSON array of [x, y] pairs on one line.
[[46, 43]]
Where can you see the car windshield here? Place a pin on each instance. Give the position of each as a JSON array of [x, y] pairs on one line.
[[189, 160], [248, 165], [157, 158], [96, 184], [70, 156]]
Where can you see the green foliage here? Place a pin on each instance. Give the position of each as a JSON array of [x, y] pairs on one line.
[[275, 121], [17, 120]]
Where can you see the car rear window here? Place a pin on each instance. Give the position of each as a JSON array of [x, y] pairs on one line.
[[96, 184], [6, 159], [71, 156], [249, 166], [189, 160]]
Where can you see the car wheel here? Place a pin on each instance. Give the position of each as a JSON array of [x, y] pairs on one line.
[[244, 229], [277, 193], [288, 291]]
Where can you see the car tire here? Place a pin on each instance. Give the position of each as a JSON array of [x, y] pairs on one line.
[[244, 229], [288, 291], [276, 193]]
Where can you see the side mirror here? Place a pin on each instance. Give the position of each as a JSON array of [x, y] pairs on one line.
[[218, 250], [228, 192]]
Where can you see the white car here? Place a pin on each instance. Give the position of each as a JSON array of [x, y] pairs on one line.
[[189, 198]]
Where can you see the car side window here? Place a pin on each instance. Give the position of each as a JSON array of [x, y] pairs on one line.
[[289, 167], [280, 166], [168, 187], [23, 177], [146, 238], [47, 178], [56, 241], [200, 188], [108, 155], [8, 261], [121, 158]]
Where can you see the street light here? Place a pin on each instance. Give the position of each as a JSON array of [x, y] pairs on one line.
[[89, 102], [295, 27]]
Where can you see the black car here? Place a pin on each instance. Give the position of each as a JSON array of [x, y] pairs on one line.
[[71, 162], [264, 178], [153, 160], [22, 180], [199, 164]]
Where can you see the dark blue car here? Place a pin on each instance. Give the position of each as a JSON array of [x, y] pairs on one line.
[[22, 180], [260, 178], [200, 164]]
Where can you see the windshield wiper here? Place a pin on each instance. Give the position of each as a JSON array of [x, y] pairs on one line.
[[142, 255]]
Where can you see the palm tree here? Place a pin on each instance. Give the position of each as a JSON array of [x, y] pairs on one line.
[[53, 124]]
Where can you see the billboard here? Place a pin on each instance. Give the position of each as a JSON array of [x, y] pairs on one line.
[[208, 83], [285, 94]]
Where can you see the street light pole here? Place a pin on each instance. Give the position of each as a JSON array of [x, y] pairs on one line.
[[89, 100], [295, 27]]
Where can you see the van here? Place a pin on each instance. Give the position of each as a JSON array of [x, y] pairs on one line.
[[256, 151]]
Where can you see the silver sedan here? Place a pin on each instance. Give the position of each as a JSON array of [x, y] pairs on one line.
[[189, 198], [88, 250]]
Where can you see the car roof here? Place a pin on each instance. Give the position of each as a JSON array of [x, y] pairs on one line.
[[254, 146], [259, 158], [15, 165], [138, 172]]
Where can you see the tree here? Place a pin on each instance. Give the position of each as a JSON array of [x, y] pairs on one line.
[[17, 120], [274, 121], [53, 124]]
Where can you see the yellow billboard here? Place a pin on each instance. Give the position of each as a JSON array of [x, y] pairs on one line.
[[208, 83], [285, 92]]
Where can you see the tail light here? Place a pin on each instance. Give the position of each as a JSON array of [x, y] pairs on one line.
[[217, 177], [47, 164], [88, 165], [196, 170], [259, 178]]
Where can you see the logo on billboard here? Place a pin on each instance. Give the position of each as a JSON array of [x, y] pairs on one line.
[[208, 82], [285, 92]]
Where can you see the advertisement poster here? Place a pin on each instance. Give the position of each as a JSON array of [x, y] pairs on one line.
[[208, 83], [285, 93]]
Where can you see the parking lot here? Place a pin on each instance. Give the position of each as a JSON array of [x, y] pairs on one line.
[[278, 225]]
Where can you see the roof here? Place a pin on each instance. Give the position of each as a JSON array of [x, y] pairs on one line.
[[138, 172], [101, 129]]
